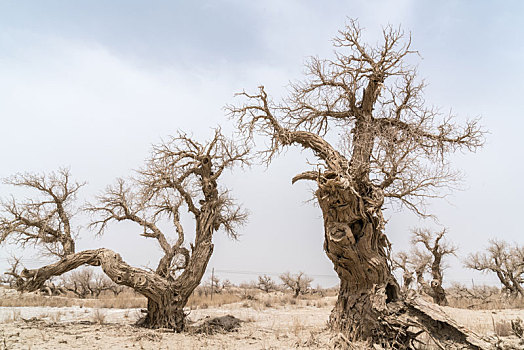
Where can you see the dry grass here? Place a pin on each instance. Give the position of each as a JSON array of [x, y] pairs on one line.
[[204, 301], [14, 317], [99, 317], [124, 300], [496, 302]]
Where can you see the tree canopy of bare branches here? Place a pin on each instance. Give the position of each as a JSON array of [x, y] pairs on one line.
[[435, 248], [299, 283], [266, 283], [45, 219], [180, 173], [393, 146], [503, 259]]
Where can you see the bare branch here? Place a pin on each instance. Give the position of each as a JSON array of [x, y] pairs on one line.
[[44, 221]]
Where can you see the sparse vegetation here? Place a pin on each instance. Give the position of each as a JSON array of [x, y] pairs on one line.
[[503, 259]]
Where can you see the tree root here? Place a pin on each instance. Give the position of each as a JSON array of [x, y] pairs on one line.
[[413, 322]]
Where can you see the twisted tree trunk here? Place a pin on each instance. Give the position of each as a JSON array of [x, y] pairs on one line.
[[354, 242], [369, 306]]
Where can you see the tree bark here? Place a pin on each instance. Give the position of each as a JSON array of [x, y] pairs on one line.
[[369, 306], [354, 242], [168, 313]]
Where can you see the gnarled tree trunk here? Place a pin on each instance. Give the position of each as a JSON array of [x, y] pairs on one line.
[[369, 306], [169, 313], [354, 242]]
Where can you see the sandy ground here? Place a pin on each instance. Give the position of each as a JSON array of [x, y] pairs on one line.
[[74, 328], [287, 326]]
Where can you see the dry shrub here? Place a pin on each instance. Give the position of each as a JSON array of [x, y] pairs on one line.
[[13, 317], [502, 328], [55, 317], [297, 327], [198, 300], [99, 317]]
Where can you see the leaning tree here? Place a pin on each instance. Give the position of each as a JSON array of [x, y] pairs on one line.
[[503, 259], [393, 146], [180, 173]]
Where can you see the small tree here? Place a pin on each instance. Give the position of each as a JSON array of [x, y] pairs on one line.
[[298, 283], [266, 283], [503, 259], [180, 173], [86, 283], [401, 262], [12, 275], [437, 248]]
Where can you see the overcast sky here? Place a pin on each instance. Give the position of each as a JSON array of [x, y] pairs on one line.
[[91, 85]]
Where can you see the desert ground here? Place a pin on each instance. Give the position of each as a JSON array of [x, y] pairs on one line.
[[269, 321]]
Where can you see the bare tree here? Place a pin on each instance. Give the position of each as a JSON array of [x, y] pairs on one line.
[[505, 260], [86, 283], [437, 248], [266, 283], [180, 173], [45, 220], [299, 283], [401, 262], [12, 275], [393, 147]]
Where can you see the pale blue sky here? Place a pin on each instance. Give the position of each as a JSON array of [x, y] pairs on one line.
[[92, 84]]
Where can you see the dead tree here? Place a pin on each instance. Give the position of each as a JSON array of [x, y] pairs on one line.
[[85, 283], [45, 220], [503, 259], [401, 262], [180, 173], [12, 275], [437, 248], [266, 283], [393, 147], [298, 283]]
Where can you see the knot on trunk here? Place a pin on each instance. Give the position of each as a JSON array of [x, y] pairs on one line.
[[340, 232]]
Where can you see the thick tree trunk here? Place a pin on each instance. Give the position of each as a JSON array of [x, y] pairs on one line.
[[167, 314], [369, 306], [359, 252]]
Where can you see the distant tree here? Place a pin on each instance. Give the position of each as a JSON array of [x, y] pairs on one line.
[[393, 146], [437, 249], [503, 259], [180, 173], [266, 283], [85, 283], [426, 256], [12, 275], [299, 283], [401, 262], [227, 285]]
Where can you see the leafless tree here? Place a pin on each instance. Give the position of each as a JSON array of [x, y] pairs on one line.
[[505, 260], [180, 173], [393, 147], [44, 220], [266, 283], [401, 262], [86, 283], [299, 283], [12, 275], [436, 248]]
